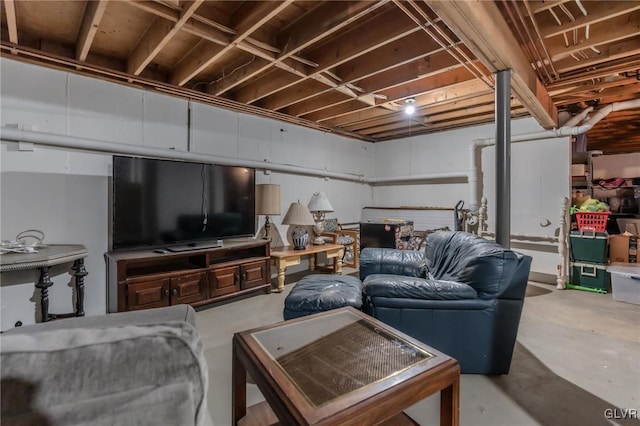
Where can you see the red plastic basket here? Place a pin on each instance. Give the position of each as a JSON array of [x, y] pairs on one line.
[[596, 221]]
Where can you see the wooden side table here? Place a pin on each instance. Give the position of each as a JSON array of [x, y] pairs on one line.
[[287, 256], [46, 257], [340, 367]]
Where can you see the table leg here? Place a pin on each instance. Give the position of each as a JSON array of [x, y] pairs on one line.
[[312, 262], [79, 272], [43, 284], [281, 267], [338, 262], [450, 404], [238, 389]]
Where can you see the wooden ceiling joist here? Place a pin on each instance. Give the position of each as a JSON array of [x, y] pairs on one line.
[[263, 12], [90, 22], [304, 33], [10, 13], [348, 66], [483, 30], [156, 37]]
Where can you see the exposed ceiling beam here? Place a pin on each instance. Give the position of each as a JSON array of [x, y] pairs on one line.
[[483, 30], [436, 96], [157, 36], [198, 26], [10, 14], [629, 64], [606, 53], [354, 45], [546, 5], [598, 11], [429, 109], [323, 21], [387, 58], [90, 22], [261, 14], [445, 125], [619, 28]]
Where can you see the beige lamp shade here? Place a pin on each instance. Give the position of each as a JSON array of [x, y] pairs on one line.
[[268, 199], [298, 214], [320, 203]]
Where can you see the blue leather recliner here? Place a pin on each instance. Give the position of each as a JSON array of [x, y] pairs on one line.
[[463, 296]]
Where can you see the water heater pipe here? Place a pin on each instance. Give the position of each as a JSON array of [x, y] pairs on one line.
[[478, 144]]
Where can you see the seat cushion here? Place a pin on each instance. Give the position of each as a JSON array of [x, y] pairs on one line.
[[318, 293], [345, 239]]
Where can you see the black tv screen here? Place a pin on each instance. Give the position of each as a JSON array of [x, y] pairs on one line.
[[165, 202]]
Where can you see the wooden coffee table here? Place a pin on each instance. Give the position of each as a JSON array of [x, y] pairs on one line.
[[341, 367], [284, 256]]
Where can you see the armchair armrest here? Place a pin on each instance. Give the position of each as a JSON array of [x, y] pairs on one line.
[[408, 263], [338, 232], [348, 238], [384, 285]]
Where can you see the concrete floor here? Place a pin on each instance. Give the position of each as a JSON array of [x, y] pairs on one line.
[[577, 358]]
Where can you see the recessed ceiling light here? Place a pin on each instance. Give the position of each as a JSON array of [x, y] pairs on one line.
[[409, 107]]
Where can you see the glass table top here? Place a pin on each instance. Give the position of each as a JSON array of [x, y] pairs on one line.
[[330, 356]]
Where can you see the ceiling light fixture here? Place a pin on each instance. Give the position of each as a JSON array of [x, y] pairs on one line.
[[409, 107]]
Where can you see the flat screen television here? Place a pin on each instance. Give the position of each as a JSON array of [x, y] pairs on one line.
[[179, 205]]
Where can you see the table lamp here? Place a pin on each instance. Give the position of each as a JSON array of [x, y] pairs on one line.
[[267, 203], [318, 206], [299, 216]]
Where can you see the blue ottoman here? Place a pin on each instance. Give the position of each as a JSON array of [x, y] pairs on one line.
[[318, 293]]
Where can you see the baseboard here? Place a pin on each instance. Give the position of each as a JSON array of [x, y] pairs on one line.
[[541, 277]]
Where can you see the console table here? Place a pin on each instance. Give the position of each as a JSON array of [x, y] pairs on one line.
[[46, 257], [287, 256]]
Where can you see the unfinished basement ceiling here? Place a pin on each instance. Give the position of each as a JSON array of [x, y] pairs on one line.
[[350, 67]]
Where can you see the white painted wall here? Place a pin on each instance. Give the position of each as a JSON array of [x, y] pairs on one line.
[[539, 180], [65, 193]]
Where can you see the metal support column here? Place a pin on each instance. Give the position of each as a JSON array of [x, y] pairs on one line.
[[503, 158]]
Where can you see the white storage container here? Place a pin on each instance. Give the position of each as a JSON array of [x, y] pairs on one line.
[[625, 282]]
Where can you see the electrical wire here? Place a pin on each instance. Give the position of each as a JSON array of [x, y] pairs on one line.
[[203, 209]]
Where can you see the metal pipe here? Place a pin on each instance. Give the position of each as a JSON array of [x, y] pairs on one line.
[[50, 139], [472, 174], [413, 178], [503, 157]]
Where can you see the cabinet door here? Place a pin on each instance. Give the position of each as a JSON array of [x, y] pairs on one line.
[[224, 281], [189, 288], [148, 294], [253, 274]]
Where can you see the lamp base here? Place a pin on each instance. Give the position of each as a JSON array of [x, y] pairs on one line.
[[318, 241], [300, 238]]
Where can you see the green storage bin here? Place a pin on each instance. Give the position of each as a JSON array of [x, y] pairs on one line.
[[588, 247], [585, 276]]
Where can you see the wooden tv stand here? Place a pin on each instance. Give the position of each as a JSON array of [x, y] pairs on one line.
[[143, 279]]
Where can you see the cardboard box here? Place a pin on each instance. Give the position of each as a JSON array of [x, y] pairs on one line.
[[578, 169], [623, 248]]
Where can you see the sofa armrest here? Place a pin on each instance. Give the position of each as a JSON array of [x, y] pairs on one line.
[[408, 263], [45, 372], [142, 317], [394, 286]]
